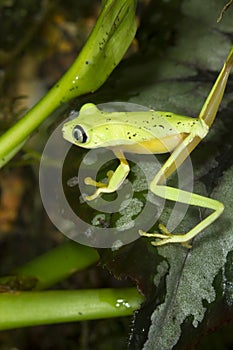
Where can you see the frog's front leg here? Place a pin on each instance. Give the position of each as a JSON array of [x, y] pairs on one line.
[[115, 178]]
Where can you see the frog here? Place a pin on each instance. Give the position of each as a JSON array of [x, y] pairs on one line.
[[157, 132]]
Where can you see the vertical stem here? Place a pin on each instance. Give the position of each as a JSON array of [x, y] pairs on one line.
[[211, 105]]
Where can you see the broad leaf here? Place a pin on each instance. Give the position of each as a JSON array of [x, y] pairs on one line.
[[175, 74]]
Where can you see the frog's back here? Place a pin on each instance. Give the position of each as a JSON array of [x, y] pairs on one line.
[[158, 124], [137, 132]]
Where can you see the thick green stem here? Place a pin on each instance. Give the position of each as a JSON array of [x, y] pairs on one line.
[[37, 308], [51, 267]]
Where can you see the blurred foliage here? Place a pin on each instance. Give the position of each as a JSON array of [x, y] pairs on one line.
[[179, 50]]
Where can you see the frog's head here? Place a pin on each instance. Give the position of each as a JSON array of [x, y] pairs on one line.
[[90, 129], [94, 128]]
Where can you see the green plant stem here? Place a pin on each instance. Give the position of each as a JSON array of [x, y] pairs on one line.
[[36, 308], [52, 267], [105, 47]]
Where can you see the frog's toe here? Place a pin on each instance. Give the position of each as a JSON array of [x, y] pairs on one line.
[[94, 195], [166, 237], [89, 181]]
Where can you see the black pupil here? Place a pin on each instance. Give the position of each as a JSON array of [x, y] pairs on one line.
[[79, 134]]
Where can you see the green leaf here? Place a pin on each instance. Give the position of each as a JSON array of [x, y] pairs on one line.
[[190, 282], [189, 285]]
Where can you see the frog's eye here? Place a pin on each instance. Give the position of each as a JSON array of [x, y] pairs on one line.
[[79, 134]]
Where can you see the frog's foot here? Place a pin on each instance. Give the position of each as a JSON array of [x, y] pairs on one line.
[[166, 237], [101, 186]]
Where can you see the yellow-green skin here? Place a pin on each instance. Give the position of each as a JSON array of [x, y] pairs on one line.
[[137, 132]]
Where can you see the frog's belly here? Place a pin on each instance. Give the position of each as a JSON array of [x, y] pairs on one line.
[[156, 146]]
